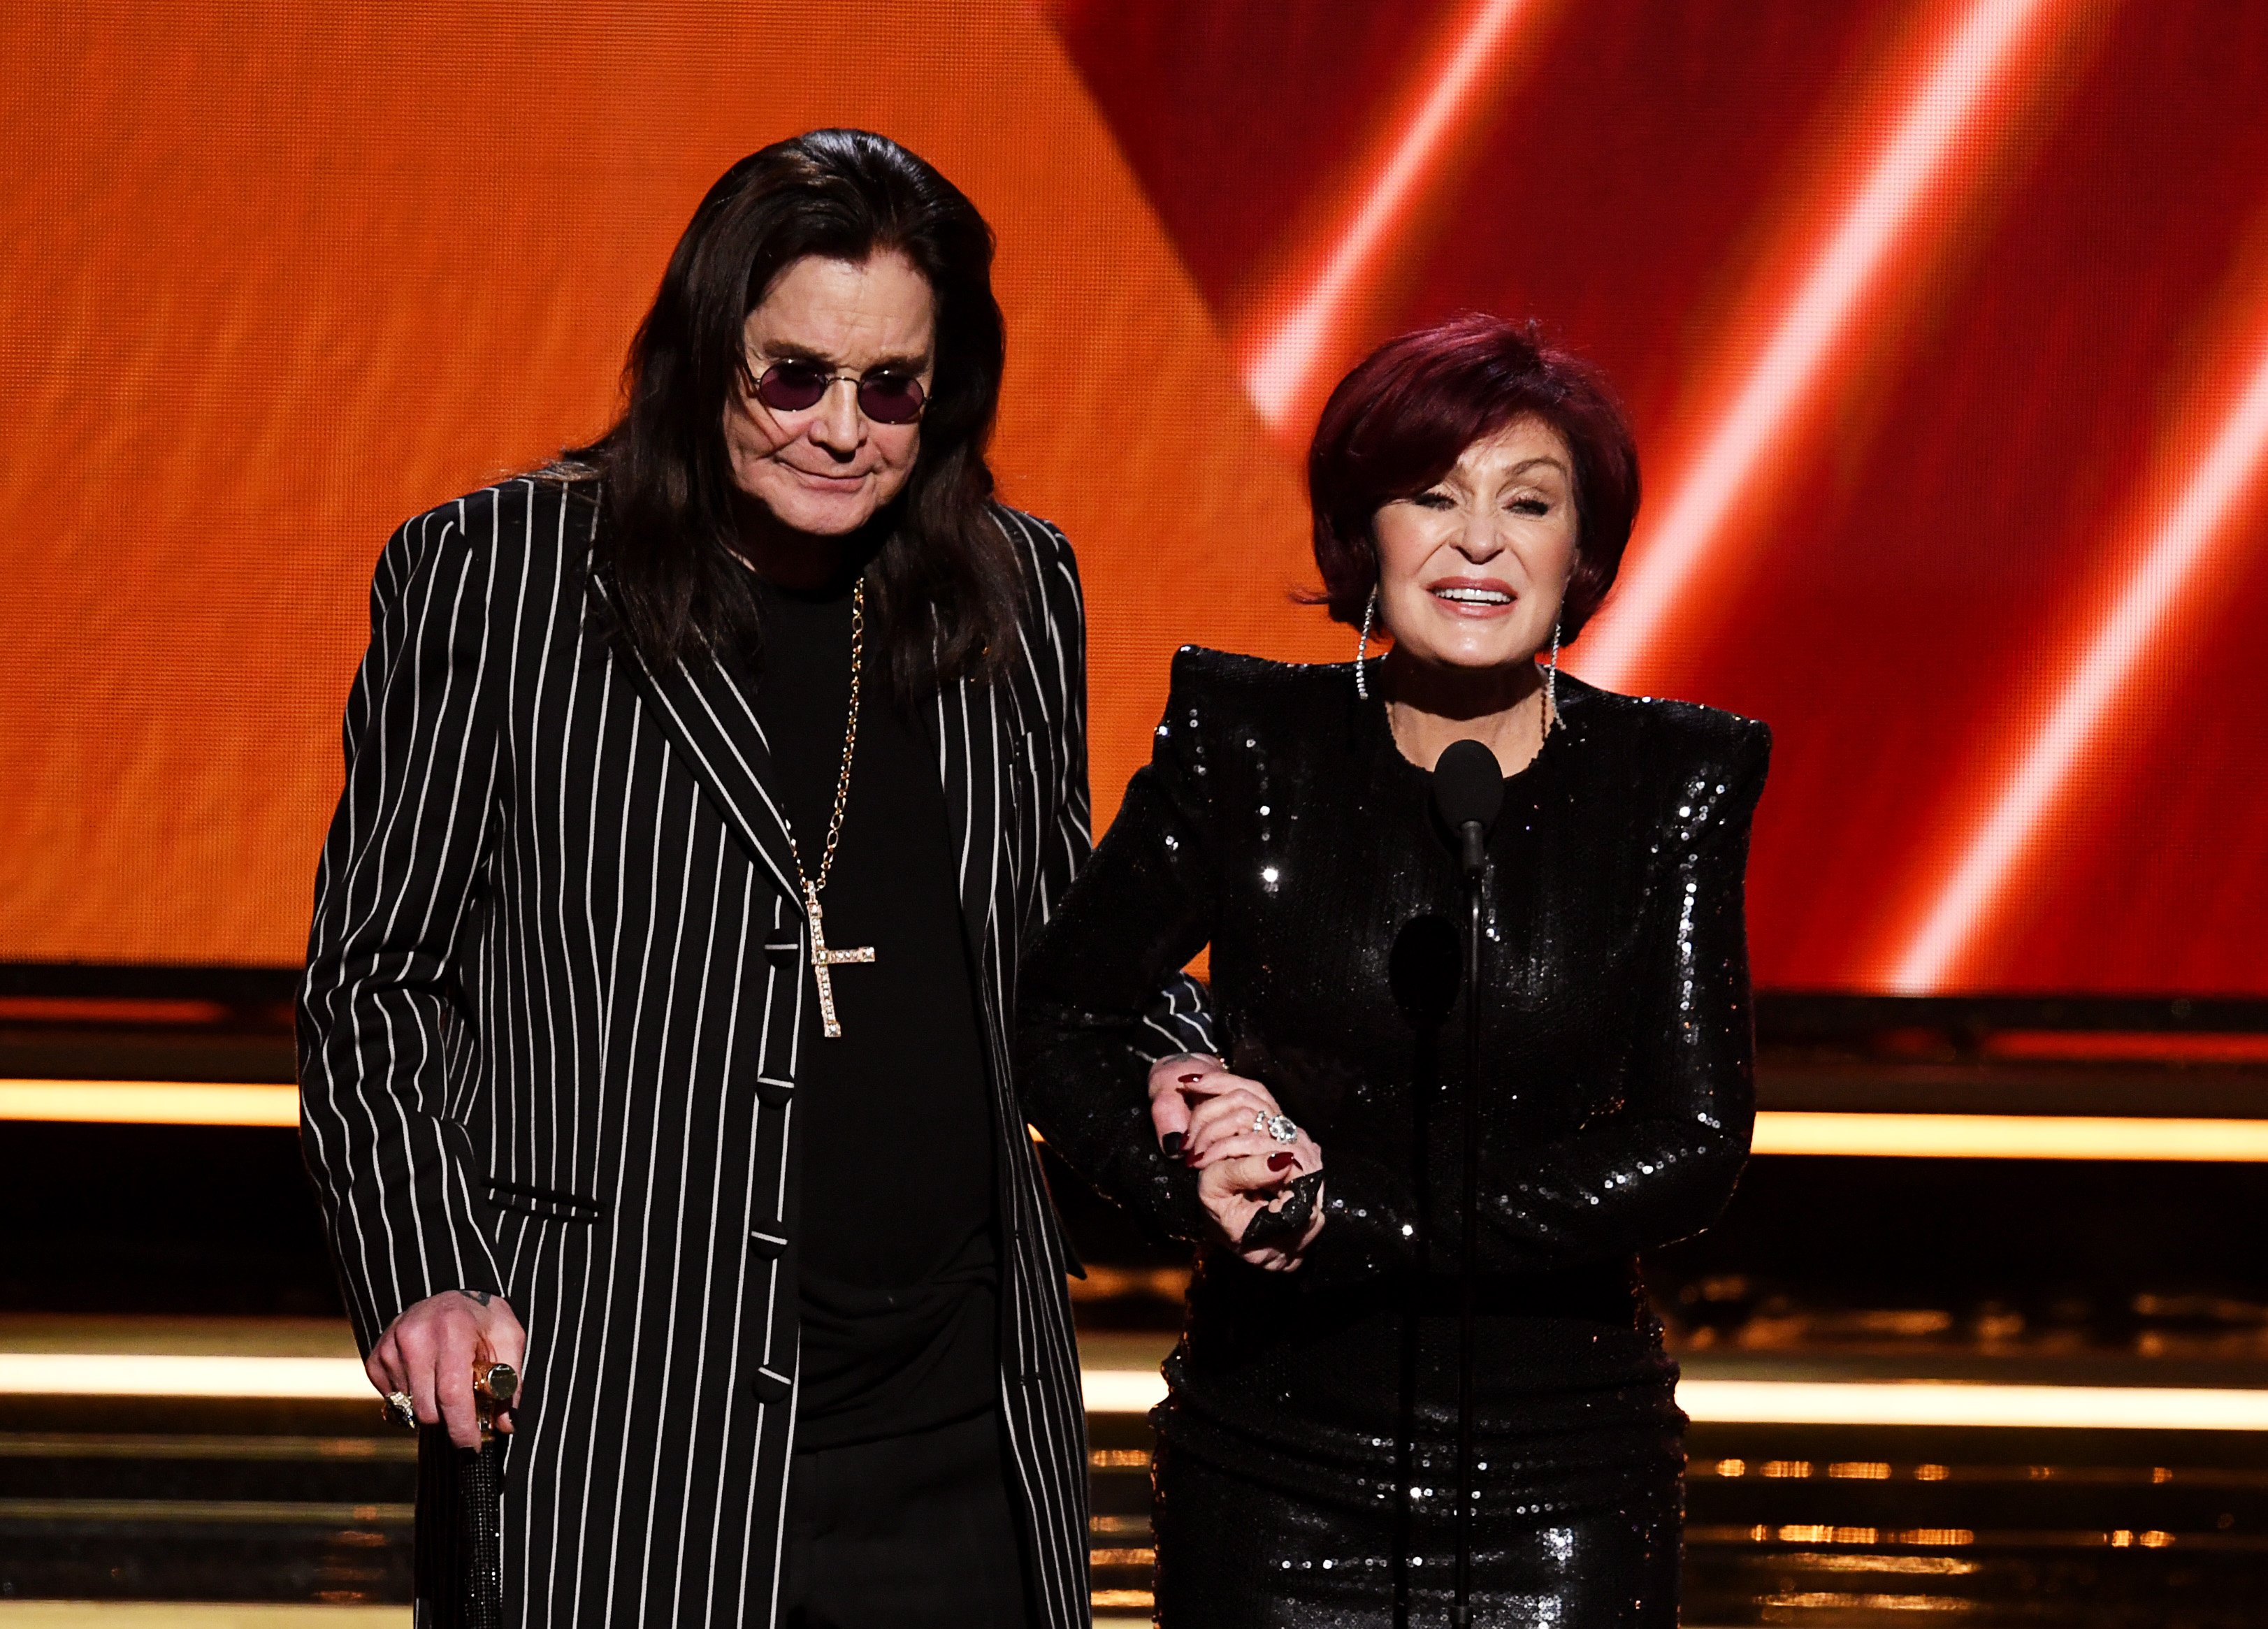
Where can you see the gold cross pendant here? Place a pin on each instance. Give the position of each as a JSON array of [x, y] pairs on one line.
[[823, 961]]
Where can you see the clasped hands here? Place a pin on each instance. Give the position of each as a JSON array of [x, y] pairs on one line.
[[1212, 1120], [1204, 1116]]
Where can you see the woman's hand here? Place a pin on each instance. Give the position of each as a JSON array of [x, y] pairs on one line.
[[1216, 1122], [1172, 1079], [1244, 1170]]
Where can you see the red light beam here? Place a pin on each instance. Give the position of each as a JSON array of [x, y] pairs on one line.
[[1879, 228], [1306, 325], [2177, 547]]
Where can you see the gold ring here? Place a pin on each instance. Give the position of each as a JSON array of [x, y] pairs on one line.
[[402, 1408], [495, 1382]]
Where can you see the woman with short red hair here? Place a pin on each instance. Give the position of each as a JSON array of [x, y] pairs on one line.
[[1473, 491]]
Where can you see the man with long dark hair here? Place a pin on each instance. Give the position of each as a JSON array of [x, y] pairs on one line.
[[701, 790]]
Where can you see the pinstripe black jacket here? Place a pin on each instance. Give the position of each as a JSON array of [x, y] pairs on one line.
[[548, 1049]]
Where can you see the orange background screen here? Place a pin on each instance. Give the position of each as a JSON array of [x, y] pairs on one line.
[[279, 275]]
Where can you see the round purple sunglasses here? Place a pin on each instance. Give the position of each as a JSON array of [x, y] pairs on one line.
[[886, 396]]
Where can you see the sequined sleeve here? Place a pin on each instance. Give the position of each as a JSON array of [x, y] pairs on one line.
[[1177, 1016], [1661, 1164], [1088, 1020]]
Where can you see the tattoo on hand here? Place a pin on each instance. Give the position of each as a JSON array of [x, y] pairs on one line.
[[481, 1296]]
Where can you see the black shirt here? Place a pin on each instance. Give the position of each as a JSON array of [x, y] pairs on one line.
[[898, 1262]]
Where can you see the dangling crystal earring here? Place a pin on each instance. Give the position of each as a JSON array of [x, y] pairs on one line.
[[1362, 644], [1551, 683]]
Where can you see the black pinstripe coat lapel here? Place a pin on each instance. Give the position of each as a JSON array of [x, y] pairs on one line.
[[705, 711], [972, 730]]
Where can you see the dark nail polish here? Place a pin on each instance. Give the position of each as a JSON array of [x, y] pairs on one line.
[[1278, 1161], [1191, 1079], [1171, 1142]]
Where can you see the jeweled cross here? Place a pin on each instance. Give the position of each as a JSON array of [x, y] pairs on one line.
[[823, 961]]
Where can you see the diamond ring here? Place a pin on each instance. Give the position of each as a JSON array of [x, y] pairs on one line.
[[402, 1410], [1278, 1126]]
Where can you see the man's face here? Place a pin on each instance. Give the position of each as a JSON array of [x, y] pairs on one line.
[[826, 469]]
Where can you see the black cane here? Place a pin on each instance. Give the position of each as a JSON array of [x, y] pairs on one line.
[[457, 1560], [1468, 792]]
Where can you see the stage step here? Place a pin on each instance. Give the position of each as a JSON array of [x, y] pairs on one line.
[[1850, 1519]]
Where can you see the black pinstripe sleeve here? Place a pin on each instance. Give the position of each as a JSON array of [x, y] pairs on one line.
[[380, 1008]]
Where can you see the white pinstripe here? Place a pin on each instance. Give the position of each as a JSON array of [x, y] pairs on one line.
[[517, 977]]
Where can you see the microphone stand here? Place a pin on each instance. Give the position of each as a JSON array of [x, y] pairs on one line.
[[1467, 795], [1473, 846]]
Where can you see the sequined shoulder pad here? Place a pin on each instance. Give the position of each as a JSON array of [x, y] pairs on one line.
[[1676, 737], [1220, 692]]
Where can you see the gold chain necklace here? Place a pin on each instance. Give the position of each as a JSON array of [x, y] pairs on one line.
[[823, 961]]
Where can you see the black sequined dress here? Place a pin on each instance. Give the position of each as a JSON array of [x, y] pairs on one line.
[[1307, 1449]]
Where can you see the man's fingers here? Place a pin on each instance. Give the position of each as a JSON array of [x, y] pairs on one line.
[[417, 1362], [380, 1367], [507, 1341], [384, 1367], [460, 1348]]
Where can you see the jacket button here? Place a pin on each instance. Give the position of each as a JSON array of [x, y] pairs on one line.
[[768, 1240], [773, 1093], [769, 1389]]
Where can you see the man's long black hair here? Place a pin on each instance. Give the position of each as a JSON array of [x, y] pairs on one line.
[[943, 590]]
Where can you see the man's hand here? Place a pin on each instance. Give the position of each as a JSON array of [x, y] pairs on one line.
[[429, 1351]]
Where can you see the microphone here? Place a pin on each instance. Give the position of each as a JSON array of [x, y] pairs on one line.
[[1468, 794]]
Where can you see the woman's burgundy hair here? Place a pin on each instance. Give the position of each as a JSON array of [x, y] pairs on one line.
[[1398, 423]]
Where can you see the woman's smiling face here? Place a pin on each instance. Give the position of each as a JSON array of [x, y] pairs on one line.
[[1471, 571]]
